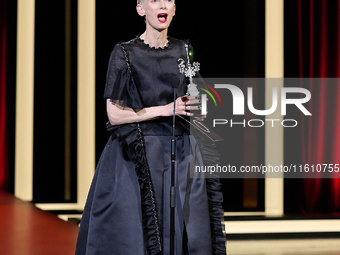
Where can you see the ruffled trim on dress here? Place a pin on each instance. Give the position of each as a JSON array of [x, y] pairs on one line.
[[131, 138], [211, 157], [152, 47]]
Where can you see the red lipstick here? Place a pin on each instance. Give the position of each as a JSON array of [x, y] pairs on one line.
[[162, 17]]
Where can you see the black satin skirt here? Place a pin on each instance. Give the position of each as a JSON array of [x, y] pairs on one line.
[[112, 221]]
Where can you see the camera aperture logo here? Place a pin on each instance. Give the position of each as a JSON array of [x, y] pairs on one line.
[[204, 97], [239, 105]]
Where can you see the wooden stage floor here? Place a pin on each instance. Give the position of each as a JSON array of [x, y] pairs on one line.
[[27, 230]]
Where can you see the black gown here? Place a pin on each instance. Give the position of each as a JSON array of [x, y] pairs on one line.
[[127, 211]]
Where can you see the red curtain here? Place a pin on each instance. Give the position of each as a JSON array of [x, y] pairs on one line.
[[3, 124], [319, 57]]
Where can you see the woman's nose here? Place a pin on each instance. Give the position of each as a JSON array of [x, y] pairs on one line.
[[162, 3]]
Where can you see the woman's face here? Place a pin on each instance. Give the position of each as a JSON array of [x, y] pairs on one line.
[[158, 13]]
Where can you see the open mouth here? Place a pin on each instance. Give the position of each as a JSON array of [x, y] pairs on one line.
[[162, 17]]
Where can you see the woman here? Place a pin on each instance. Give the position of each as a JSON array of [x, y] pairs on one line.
[[127, 210]]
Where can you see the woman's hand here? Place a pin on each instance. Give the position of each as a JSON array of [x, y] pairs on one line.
[[184, 105]]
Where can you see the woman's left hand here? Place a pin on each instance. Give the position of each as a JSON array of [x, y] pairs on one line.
[[194, 104], [191, 103], [185, 105]]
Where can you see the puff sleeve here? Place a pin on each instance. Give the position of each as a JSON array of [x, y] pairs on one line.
[[120, 86]]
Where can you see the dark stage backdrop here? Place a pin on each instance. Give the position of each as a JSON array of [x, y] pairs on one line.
[[312, 49], [228, 40], [3, 102], [55, 92]]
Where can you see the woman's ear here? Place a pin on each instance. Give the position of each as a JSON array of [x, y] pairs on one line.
[[140, 10]]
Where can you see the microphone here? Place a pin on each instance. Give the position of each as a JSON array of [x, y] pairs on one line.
[[174, 81]]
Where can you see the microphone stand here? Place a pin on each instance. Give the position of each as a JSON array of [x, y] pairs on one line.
[[173, 187], [189, 71]]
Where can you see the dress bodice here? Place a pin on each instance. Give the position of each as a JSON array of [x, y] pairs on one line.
[[152, 71], [153, 68]]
